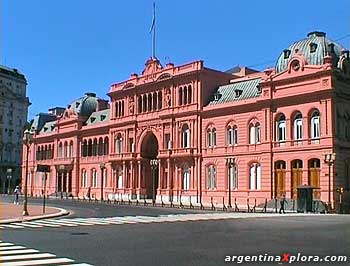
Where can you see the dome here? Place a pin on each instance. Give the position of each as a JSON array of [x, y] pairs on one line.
[[83, 106], [314, 48]]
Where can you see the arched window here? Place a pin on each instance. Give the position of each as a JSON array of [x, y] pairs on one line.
[[89, 149], [211, 177], [84, 148], [233, 176], [186, 178], [119, 178], [298, 127], [186, 136], [144, 100], [94, 178], [185, 95], [71, 149], [281, 128], [100, 146], [180, 96], [94, 148], [116, 109], [189, 94], [106, 146], [139, 100], [149, 97], [38, 153], [315, 125], [257, 133], [122, 108], [232, 135], [254, 176], [119, 144], [84, 178], [252, 134], [160, 99], [211, 137], [60, 150], [154, 104], [65, 149]]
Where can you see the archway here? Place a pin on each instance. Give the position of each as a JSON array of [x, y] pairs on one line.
[[150, 176]]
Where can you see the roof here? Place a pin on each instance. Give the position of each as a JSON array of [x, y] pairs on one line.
[[12, 72], [236, 92], [98, 117], [322, 44], [40, 120], [85, 105], [48, 127]]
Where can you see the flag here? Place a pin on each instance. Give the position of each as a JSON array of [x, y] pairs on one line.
[[154, 18]]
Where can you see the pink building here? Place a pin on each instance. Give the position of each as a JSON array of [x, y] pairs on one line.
[[201, 134]]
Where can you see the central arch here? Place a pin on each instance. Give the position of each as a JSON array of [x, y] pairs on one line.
[[150, 177]]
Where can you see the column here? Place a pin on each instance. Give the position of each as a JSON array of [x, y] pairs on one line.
[[139, 174], [124, 176]]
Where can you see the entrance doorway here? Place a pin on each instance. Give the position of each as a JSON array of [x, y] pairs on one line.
[[314, 177], [280, 173], [150, 175], [297, 177]]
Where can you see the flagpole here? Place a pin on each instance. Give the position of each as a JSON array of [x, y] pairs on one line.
[[154, 32]]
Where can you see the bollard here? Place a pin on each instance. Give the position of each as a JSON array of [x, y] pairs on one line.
[[224, 208], [276, 204], [248, 207], [212, 204]]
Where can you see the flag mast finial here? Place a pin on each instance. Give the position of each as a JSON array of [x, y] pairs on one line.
[[153, 30]]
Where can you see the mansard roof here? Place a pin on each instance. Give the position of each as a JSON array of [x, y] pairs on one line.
[[48, 127], [314, 48], [40, 120], [98, 117], [236, 91]]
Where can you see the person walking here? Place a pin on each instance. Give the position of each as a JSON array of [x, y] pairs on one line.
[[283, 202], [17, 192]]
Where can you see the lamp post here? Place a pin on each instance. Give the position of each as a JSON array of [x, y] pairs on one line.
[[9, 177], [154, 165], [27, 141], [103, 167], [329, 159], [230, 163]]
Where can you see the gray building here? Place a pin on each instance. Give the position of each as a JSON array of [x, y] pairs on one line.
[[13, 118]]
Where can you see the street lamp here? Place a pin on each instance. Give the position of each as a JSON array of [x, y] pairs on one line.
[[154, 166], [102, 166], [27, 141], [329, 159], [9, 177], [230, 163]]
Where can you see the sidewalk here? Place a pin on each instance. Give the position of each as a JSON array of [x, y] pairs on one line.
[[10, 212]]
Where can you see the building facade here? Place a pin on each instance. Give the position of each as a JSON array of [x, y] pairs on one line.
[[13, 117], [201, 135]]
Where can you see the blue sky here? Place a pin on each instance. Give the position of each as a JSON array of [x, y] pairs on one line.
[[69, 47]]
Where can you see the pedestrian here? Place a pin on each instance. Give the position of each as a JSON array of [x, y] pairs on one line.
[[88, 193], [283, 201], [17, 192]]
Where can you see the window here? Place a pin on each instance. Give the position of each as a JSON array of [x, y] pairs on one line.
[[119, 144], [254, 176], [257, 133], [211, 178], [281, 128], [94, 178], [211, 137], [186, 136], [84, 178], [60, 150], [315, 125], [254, 133], [167, 141], [120, 178], [186, 178], [131, 145], [298, 127], [233, 176]]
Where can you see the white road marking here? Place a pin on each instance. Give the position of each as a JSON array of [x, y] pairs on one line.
[[11, 248], [25, 224], [37, 262], [21, 251], [27, 256], [5, 244]]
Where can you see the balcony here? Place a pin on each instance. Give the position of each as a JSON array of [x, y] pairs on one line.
[[182, 152], [122, 156], [94, 159], [60, 161]]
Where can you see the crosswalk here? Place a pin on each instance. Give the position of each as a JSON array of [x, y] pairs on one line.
[[14, 255], [120, 220]]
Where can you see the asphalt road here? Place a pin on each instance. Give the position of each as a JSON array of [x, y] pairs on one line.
[[185, 243]]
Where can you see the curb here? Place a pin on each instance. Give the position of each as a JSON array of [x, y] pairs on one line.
[[62, 212]]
